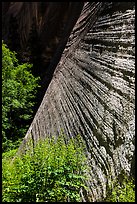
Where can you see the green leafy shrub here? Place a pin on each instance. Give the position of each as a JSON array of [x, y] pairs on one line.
[[18, 91], [54, 172], [124, 192]]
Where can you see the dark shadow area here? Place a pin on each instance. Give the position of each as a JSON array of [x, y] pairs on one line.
[[38, 32]]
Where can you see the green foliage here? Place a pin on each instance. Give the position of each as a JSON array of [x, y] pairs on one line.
[[124, 192], [54, 172], [18, 91]]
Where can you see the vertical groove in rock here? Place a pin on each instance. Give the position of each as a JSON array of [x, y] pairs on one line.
[[93, 93]]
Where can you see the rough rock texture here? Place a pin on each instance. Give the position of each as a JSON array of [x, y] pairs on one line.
[[92, 92]]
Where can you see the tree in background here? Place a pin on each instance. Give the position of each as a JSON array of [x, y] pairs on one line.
[[18, 92]]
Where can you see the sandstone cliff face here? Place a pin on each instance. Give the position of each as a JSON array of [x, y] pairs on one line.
[[92, 92]]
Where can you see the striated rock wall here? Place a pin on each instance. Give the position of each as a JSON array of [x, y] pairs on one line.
[[92, 92]]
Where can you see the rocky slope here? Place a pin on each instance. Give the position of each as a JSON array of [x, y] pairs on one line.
[[92, 92]]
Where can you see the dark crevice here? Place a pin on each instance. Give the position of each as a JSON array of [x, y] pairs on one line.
[[43, 47]]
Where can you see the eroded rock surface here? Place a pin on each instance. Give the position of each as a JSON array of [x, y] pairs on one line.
[[92, 92]]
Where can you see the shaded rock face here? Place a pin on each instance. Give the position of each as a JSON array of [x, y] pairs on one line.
[[92, 92], [38, 32]]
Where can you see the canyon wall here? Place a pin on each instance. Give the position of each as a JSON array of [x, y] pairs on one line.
[[92, 92]]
